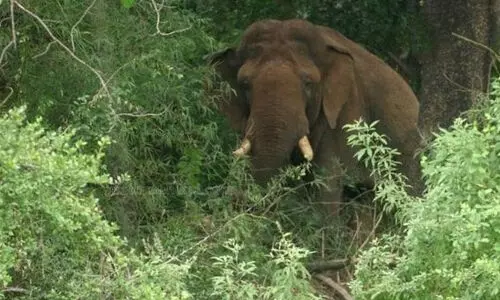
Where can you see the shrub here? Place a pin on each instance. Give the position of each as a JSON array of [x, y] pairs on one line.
[[54, 242], [450, 248]]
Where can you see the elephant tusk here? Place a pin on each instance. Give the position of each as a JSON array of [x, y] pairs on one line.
[[243, 149], [305, 148]]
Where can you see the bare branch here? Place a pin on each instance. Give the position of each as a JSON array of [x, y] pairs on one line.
[[491, 51], [13, 23], [158, 20], [460, 87], [37, 18], [10, 44], [78, 22], [218, 230], [337, 287], [8, 96], [141, 115], [372, 232], [13, 41], [404, 67], [45, 51], [14, 289], [114, 73]]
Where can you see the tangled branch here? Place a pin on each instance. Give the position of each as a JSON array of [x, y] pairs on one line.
[[73, 28], [71, 53], [10, 44], [335, 286], [11, 91], [158, 21]]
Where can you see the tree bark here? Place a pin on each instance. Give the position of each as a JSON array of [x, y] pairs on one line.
[[495, 22], [454, 71]]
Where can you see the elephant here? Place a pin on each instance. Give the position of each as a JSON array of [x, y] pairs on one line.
[[296, 84]]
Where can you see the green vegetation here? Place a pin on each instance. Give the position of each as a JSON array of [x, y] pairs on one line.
[[54, 243], [117, 180], [450, 245]]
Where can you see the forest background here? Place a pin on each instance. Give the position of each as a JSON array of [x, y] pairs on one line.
[[117, 179]]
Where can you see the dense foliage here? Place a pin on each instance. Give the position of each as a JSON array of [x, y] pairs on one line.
[[450, 247], [117, 180], [54, 242], [180, 189]]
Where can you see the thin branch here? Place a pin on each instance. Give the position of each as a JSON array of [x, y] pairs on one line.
[[356, 233], [10, 44], [37, 18], [114, 74], [8, 96], [14, 289], [158, 20], [460, 87], [493, 52], [78, 22], [141, 115], [45, 51], [496, 56], [335, 286], [13, 23], [214, 233], [400, 63], [372, 232], [280, 197]]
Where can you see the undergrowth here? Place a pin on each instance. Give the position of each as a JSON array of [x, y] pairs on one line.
[[449, 246]]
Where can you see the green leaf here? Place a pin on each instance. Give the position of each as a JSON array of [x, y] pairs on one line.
[[127, 3]]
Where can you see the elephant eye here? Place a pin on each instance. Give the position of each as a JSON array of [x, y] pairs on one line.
[[245, 83], [245, 89], [248, 96], [308, 87]]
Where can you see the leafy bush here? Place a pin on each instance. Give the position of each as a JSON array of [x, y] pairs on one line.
[[450, 248], [54, 242], [163, 133], [239, 280]]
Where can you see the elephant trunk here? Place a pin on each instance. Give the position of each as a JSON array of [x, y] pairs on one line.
[[270, 141]]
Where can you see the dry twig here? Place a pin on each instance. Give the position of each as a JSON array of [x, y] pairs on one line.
[[13, 23], [214, 233], [356, 233], [404, 67], [141, 115], [335, 286], [47, 29], [494, 54], [14, 289], [8, 96], [491, 51], [10, 44], [78, 22], [372, 232], [45, 51], [158, 21]]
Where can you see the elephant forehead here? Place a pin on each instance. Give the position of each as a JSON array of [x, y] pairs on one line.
[[285, 58], [278, 65], [274, 30], [276, 69]]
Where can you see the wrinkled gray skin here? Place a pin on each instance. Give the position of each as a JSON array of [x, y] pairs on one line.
[[293, 79]]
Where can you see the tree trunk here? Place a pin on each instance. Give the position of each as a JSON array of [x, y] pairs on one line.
[[454, 71], [495, 22]]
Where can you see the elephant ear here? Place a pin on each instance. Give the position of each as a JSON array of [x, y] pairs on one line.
[[226, 64], [339, 79]]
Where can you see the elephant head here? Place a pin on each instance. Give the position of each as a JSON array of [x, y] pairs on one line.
[[289, 76]]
